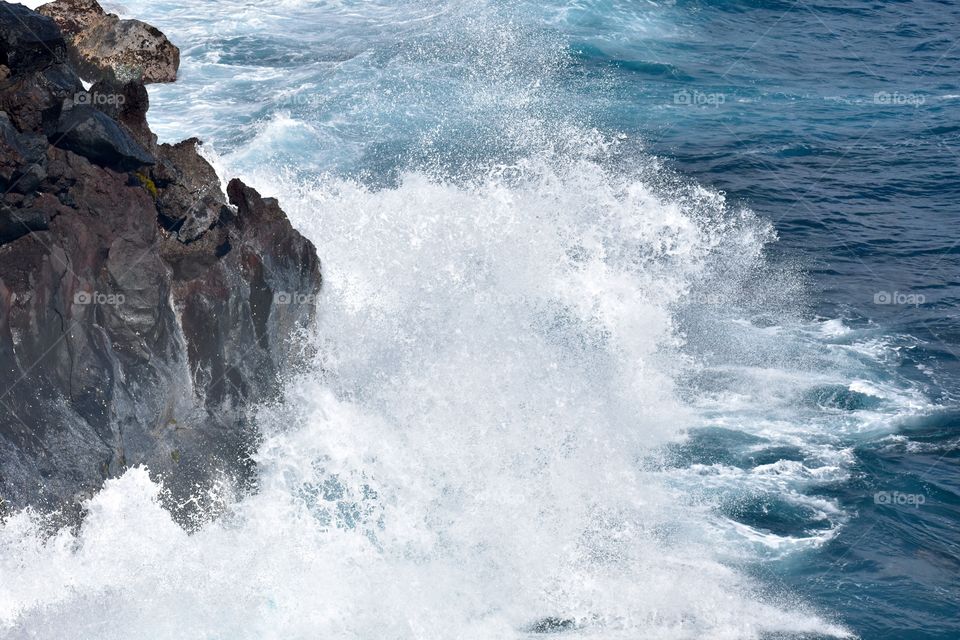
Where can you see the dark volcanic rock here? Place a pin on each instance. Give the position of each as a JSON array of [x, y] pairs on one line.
[[22, 158], [143, 312], [127, 103], [102, 46], [18, 223], [28, 40], [190, 198], [92, 134], [35, 79]]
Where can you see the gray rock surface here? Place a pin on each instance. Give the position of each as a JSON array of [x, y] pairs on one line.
[[104, 47], [27, 41], [141, 307], [92, 134]]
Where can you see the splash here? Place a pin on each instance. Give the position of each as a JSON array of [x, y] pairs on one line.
[[472, 455], [523, 322]]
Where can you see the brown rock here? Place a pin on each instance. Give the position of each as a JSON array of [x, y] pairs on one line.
[[142, 314], [104, 47]]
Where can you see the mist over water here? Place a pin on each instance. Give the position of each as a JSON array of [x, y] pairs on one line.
[[554, 380], [477, 449]]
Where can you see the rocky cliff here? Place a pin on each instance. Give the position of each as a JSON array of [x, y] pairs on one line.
[[144, 311]]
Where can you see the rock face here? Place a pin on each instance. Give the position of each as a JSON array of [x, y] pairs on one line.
[[104, 47], [143, 311], [93, 135], [30, 41]]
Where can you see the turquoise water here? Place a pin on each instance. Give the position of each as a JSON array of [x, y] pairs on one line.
[[638, 316]]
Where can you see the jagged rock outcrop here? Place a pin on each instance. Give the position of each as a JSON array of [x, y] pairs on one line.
[[104, 47], [30, 41], [143, 311], [92, 134]]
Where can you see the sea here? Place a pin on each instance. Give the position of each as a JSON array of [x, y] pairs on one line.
[[639, 321]]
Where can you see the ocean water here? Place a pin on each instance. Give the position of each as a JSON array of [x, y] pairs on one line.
[[639, 321]]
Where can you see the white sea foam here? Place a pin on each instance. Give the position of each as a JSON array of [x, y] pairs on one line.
[[464, 459], [504, 358]]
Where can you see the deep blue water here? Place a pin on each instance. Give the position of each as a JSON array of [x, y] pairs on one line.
[[826, 395], [839, 122]]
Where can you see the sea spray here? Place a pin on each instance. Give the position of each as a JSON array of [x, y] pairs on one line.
[[470, 453], [527, 326]]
